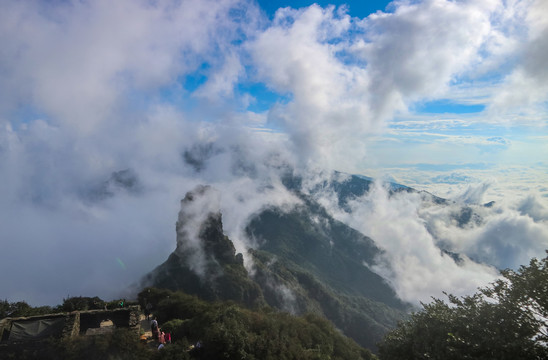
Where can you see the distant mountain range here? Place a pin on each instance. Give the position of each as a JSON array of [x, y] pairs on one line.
[[305, 261]]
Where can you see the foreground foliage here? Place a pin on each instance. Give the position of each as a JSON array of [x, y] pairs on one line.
[[224, 330], [507, 320], [228, 331]]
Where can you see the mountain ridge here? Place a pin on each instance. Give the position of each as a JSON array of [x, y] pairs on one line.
[[306, 261]]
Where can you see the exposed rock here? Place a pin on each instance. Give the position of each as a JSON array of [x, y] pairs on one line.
[[205, 262]]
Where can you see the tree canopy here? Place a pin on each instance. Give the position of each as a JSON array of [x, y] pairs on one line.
[[506, 320]]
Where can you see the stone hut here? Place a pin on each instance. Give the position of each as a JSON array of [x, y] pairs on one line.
[[67, 325]]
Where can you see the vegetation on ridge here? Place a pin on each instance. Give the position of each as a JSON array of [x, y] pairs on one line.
[[506, 320], [229, 331], [225, 330]]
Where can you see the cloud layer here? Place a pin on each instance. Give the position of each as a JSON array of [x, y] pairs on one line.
[[165, 90], [456, 246]]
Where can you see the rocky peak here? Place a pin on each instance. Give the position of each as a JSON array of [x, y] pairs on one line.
[[200, 237], [205, 262]]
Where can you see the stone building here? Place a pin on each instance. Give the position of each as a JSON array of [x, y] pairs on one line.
[[67, 325]]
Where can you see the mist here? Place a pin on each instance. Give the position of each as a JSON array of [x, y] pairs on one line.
[[111, 112], [431, 248]]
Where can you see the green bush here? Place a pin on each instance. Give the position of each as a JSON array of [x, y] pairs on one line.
[[507, 320], [176, 327], [228, 331], [81, 303], [173, 352], [121, 344]]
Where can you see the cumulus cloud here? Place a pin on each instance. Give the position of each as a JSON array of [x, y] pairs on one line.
[[300, 55], [509, 241], [416, 51], [78, 61], [344, 77], [525, 88]]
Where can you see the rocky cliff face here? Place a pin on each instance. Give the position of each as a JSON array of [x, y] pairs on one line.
[[200, 237], [205, 262]]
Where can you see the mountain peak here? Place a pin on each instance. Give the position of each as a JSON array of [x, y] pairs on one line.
[[200, 238], [197, 208], [205, 262]]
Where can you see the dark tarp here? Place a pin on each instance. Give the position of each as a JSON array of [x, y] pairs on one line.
[[22, 330]]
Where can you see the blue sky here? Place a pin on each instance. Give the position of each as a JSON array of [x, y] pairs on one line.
[[356, 8], [445, 96]]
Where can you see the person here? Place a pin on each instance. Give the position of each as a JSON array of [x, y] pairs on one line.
[[162, 337], [154, 328]]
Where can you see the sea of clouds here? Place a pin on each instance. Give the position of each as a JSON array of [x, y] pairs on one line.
[[161, 89]]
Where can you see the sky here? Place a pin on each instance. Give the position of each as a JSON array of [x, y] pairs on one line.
[[111, 111]]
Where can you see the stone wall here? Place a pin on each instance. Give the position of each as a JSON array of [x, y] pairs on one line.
[[79, 322]]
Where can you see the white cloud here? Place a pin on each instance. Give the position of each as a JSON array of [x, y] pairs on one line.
[[299, 54], [498, 235], [454, 178], [412, 231], [534, 208], [417, 51], [221, 84], [474, 194], [524, 90], [57, 220], [412, 261], [90, 88], [345, 77], [78, 61]]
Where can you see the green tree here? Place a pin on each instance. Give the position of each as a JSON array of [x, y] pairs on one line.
[[81, 303], [506, 320], [21, 308]]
